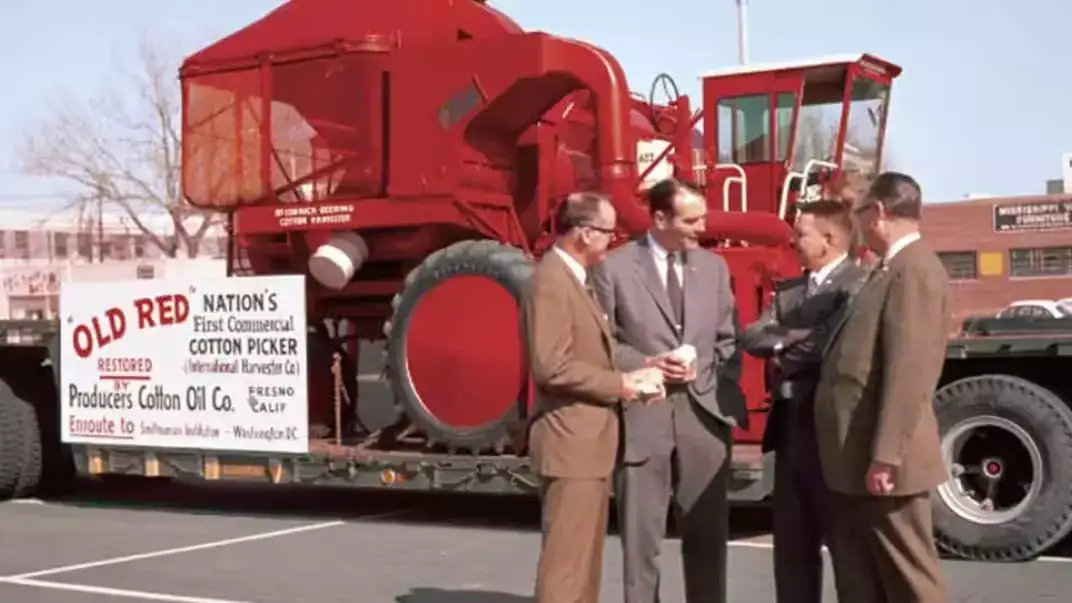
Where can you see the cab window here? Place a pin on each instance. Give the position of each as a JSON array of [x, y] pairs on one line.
[[744, 134], [744, 129]]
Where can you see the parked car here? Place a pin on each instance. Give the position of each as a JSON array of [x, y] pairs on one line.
[[1038, 308]]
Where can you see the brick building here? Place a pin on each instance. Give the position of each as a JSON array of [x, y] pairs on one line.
[[39, 250], [1000, 250]]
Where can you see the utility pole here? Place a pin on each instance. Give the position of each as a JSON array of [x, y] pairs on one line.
[[742, 32]]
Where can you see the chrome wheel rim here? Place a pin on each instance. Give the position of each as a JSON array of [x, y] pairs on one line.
[[995, 469]]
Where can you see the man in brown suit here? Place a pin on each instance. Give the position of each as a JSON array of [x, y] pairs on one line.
[[877, 434], [574, 434]]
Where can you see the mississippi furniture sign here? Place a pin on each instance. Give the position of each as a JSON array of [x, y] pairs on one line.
[[1038, 215]]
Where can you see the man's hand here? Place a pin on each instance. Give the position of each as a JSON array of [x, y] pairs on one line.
[[880, 479], [673, 370], [630, 388], [644, 384]]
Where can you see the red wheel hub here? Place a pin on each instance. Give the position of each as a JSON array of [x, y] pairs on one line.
[[464, 351]]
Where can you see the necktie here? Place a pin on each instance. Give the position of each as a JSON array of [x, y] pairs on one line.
[[877, 269], [591, 293], [674, 291]]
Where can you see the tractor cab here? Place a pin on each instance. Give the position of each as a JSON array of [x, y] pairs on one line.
[[775, 131]]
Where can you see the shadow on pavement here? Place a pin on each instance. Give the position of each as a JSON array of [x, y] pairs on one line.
[[439, 595], [486, 511]]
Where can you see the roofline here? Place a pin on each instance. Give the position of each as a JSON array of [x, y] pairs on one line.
[[824, 61], [995, 200]]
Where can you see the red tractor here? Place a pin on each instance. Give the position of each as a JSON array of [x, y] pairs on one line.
[[407, 157]]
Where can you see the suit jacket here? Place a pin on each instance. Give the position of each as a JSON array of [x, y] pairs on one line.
[[793, 382], [574, 432], [634, 297], [874, 397]]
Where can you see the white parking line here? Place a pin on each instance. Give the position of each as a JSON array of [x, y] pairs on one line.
[[759, 544], [178, 550], [114, 592]]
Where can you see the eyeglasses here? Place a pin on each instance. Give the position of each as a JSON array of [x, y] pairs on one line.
[[598, 228]]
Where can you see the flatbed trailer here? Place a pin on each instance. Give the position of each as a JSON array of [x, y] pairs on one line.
[[386, 458]]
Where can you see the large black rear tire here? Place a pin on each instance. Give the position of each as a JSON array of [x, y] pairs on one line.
[[11, 441], [32, 454], [1008, 443]]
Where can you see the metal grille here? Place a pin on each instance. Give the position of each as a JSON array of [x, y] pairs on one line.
[[960, 265], [1041, 261]]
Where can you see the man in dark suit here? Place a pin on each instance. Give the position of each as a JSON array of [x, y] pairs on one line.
[[878, 436], [574, 434], [662, 292], [791, 334]]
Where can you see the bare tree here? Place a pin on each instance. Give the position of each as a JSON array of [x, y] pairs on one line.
[[122, 149]]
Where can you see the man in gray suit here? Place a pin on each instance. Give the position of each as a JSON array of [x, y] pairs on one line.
[[791, 334], [662, 292]]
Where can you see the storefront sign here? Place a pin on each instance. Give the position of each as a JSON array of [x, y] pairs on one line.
[[1044, 215]]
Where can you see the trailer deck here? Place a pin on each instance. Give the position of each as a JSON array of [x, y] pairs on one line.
[[330, 464]]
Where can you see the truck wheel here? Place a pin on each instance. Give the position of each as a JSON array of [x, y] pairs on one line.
[[32, 457], [455, 357], [11, 441], [1008, 445]]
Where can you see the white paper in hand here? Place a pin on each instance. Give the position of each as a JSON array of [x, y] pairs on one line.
[[649, 381], [686, 355]]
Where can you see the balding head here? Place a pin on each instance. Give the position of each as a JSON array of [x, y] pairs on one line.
[[585, 224]]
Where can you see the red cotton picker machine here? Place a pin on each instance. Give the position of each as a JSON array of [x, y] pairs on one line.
[[407, 156]]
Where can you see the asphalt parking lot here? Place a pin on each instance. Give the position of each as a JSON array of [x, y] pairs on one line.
[[192, 544]]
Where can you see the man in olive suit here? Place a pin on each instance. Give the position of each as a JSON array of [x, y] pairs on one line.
[[877, 433]]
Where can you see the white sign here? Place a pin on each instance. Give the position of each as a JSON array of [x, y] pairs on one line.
[[1066, 172], [647, 151], [209, 364]]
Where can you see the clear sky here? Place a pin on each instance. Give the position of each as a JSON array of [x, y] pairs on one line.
[[960, 120]]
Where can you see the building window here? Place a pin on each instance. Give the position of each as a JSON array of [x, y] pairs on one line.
[[119, 247], [960, 265], [84, 242], [1040, 261], [60, 243], [22, 244]]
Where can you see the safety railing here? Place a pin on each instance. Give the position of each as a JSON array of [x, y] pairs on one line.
[[783, 203], [741, 179]]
